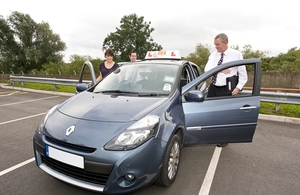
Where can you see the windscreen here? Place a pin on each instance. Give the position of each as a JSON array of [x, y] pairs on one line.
[[141, 78]]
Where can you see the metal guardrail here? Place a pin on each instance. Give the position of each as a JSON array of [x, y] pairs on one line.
[[277, 97], [273, 97], [53, 81]]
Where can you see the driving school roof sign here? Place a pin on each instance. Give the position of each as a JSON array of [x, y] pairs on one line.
[[163, 54]]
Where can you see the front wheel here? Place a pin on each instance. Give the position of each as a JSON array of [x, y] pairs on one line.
[[171, 163]]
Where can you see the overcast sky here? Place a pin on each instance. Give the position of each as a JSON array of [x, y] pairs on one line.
[[83, 25]]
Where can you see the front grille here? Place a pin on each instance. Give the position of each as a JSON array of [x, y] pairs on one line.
[[70, 146], [74, 172]]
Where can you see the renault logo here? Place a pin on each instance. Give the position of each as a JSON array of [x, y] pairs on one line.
[[70, 130]]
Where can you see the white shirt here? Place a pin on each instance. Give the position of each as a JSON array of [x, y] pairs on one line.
[[229, 55]]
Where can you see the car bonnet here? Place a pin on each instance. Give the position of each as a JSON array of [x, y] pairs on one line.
[[109, 107]]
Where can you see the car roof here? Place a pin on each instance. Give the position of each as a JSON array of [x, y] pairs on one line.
[[171, 57], [170, 62]]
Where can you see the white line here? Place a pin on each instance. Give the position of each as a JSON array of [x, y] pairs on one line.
[[205, 188], [29, 101], [19, 119], [16, 166]]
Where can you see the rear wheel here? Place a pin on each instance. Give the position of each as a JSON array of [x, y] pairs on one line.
[[171, 163]]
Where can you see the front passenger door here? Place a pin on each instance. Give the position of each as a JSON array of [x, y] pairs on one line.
[[225, 119]]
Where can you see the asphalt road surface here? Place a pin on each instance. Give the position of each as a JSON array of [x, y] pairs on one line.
[[268, 165]]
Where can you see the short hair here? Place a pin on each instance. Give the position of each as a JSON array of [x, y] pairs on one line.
[[109, 52], [223, 37], [132, 52]]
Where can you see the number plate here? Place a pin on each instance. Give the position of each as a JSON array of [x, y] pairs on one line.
[[65, 157]]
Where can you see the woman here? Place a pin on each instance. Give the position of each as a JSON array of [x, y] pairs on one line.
[[107, 66]]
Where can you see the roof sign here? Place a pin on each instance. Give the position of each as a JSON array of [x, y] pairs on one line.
[[163, 54]]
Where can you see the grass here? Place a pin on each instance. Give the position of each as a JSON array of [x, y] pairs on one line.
[[288, 110], [47, 87]]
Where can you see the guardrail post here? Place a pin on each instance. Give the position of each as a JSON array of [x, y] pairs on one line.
[[277, 105], [54, 84]]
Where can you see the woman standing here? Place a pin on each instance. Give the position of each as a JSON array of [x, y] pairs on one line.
[[108, 65]]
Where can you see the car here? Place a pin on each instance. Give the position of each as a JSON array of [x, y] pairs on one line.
[[127, 131]]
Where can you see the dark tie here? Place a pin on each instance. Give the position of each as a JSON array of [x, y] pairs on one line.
[[214, 77]]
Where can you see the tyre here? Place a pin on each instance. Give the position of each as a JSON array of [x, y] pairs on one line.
[[171, 162]]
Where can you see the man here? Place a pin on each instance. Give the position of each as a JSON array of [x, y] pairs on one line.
[[132, 56], [224, 54], [218, 85]]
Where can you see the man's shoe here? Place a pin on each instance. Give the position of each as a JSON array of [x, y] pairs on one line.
[[222, 145]]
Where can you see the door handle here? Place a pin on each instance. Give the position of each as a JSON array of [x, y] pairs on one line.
[[248, 107]]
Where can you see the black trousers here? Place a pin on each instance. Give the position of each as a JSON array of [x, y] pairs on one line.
[[215, 91]]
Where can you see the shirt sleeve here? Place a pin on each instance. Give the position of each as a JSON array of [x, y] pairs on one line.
[[210, 63], [243, 77]]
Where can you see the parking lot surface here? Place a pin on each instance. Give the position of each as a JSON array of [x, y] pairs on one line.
[[268, 165]]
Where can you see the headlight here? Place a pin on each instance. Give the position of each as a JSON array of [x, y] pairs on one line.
[[135, 135], [44, 120]]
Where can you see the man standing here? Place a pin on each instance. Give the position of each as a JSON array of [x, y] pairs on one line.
[[224, 54], [221, 55], [132, 56]]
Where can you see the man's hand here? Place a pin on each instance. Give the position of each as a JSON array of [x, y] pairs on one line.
[[235, 91], [226, 71]]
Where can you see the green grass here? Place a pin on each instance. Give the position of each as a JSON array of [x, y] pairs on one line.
[[288, 110], [48, 87]]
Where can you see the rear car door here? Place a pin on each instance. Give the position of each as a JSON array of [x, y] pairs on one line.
[[222, 119]]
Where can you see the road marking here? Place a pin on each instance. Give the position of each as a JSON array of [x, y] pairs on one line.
[[19, 119], [204, 190], [29, 101], [11, 93], [16, 166]]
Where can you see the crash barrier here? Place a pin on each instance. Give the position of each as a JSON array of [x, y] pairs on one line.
[[53, 81], [273, 97], [277, 97]]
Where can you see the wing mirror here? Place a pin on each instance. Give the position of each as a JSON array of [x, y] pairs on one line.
[[194, 96], [80, 87]]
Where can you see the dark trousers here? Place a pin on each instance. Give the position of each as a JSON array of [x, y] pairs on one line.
[[215, 91]]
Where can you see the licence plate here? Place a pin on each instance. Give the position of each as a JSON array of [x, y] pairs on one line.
[[65, 157]]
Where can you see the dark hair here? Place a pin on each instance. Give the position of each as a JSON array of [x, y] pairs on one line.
[[132, 52], [109, 52]]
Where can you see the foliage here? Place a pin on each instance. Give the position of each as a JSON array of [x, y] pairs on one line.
[[285, 109], [47, 87], [289, 62], [27, 45], [200, 56], [133, 34]]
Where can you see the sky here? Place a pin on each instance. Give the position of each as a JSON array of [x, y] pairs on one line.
[[270, 26]]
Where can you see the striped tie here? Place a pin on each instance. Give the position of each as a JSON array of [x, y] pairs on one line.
[[214, 77]]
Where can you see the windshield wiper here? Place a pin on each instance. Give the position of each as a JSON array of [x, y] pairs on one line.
[[147, 94], [131, 92], [119, 91]]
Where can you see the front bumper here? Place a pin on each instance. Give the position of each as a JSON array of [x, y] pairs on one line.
[[106, 175]]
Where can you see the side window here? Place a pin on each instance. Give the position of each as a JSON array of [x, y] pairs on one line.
[[186, 76]]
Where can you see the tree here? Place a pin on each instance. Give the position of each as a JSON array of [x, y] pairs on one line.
[[288, 62], [200, 56], [133, 34], [27, 45]]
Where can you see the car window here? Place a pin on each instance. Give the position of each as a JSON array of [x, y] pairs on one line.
[[247, 90], [141, 78]]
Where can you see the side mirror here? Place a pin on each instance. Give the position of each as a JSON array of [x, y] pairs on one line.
[[80, 87], [194, 96]]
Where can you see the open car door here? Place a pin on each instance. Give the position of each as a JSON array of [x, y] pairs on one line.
[[226, 119]]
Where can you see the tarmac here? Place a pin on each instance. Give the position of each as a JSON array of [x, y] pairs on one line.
[[261, 116]]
